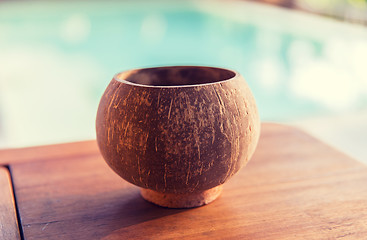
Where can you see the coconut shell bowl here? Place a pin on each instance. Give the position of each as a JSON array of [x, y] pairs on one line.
[[177, 132]]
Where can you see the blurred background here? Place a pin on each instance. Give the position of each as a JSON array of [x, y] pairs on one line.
[[305, 61]]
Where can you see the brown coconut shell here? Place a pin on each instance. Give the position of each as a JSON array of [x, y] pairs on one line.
[[177, 130]]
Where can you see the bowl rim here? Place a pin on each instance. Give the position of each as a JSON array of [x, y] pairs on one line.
[[116, 78]]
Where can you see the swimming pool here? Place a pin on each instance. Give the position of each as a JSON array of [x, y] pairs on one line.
[[56, 58]]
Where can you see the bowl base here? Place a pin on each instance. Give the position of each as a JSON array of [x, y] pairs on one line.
[[186, 200]]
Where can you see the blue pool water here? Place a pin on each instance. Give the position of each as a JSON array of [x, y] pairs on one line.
[[56, 58]]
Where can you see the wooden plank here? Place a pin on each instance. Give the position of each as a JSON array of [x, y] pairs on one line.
[[8, 220], [294, 188], [50, 152]]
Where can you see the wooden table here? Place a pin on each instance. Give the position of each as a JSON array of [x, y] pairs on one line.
[[295, 187]]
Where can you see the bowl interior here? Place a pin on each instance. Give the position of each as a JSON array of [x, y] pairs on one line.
[[176, 76]]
